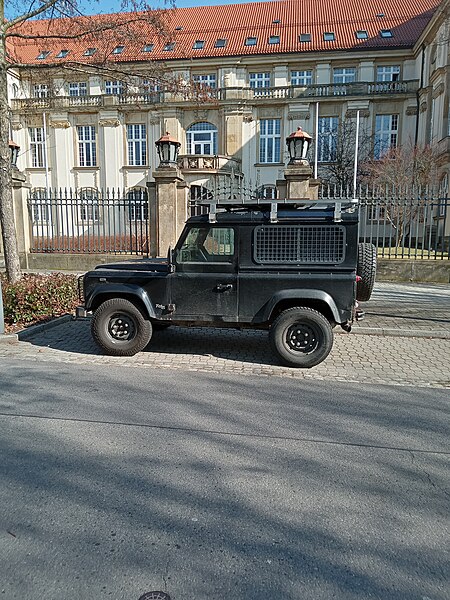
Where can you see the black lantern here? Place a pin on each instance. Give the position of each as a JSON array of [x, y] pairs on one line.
[[298, 144], [14, 152], [168, 148]]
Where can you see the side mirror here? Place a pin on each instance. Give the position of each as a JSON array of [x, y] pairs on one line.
[[170, 260]]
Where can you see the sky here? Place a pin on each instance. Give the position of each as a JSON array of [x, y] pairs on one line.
[[105, 6]]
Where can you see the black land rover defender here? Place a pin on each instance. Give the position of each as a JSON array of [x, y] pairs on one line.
[[296, 270]]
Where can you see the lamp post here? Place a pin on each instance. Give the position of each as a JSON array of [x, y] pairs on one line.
[[14, 152], [298, 144], [167, 148]]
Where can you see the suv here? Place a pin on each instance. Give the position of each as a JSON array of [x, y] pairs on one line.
[[290, 268]]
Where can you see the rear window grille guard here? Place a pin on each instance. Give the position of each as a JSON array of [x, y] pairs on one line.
[[300, 244]]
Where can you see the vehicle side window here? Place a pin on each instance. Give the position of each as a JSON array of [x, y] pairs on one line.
[[207, 244]]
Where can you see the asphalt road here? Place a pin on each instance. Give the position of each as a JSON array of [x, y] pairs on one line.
[[116, 481]]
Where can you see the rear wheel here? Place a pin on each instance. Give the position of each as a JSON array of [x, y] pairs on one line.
[[120, 328], [366, 268], [301, 337]]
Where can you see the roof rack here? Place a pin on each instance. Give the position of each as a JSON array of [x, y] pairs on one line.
[[339, 204]]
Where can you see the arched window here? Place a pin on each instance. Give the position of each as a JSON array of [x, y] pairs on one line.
[[267, 192], [199, 194], [138, 204], [202, 139], [89, 209]]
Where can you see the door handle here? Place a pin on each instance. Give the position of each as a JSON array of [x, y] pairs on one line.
[[224, 287]]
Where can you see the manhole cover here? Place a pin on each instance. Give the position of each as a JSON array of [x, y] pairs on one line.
[[155, 596]]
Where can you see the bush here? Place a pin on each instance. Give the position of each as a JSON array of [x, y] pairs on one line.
[[38, 298]]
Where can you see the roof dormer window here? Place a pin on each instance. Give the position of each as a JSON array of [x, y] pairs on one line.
[[251, 41], [198, 45], [328, 36], [169, 47], [90, 52], [220, 43], [118, 50], [43, 54], [148, 48], [62, 54], [304, 37], [361, 34], [274, 39], [386, 33]]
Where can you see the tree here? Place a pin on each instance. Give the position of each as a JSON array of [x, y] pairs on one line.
[[66, 23]]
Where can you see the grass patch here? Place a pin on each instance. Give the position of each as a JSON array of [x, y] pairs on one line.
[[37, 298]]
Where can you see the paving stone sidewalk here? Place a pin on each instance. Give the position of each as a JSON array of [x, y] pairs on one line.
[[414, 356]]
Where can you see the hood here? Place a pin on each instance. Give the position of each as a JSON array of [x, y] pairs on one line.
[[159, 265]]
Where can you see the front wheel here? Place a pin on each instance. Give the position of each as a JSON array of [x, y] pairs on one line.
[[120, 328], [301, 337]]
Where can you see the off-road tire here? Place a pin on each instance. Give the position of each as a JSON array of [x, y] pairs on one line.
[[301, 337], [366, 268], [120, 328]]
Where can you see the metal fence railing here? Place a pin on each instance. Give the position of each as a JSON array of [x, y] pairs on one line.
[[89, 221]]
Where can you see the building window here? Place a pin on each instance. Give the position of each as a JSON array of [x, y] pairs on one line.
[[251, 41], [43, 54], [40, 208], [62, 54], [114, 87], [274, 39], [386, 134], [327, 142], [328, 36], [40, 90], [267, 192], [169, 47], [89, 209], [148, 48], [220, 43], [388, 73], [269, 140], [37, 147], [258, 81], [138, 204], [206, 80], [118, 50], [90, 52], [304, 37], [87, 147], [202, 139], [386, 33], [137, 145], [77, 88], [198, 45], [361, 34], [301, 77], [347, 75]]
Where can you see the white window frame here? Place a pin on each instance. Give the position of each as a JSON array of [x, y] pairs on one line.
[[89, 205], [78, 88], [137, 144], [269, 141], [206, 80], [40, 206], [301, 78], [327, 142], [114, 88], [87, 145], [37, 147], [259, 80], [388, 73], [386, 134], [344, 75], [138, 204], [40, 90], [202, 137]]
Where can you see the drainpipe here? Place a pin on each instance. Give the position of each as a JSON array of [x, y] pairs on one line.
[[418, 96]]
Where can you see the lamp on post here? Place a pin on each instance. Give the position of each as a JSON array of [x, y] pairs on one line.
[[168, 148], [298, 144], [14, 152]]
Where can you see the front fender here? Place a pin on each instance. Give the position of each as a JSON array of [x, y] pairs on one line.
[[299, 295], [127, 290]]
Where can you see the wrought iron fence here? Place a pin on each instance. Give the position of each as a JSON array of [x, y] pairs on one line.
[[88, 221]]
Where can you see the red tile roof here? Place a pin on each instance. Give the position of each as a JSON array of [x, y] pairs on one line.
[[406, 19]]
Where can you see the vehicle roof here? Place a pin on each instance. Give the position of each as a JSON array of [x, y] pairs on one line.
[[245, 216]]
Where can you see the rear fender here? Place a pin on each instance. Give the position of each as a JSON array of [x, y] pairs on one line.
[[299, 297]]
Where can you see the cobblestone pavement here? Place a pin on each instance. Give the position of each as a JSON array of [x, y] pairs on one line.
[[386, 359]]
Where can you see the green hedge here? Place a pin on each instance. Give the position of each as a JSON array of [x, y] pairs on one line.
[[38, 298]]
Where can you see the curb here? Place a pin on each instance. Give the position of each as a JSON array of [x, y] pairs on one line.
[[408, 333], [35, 329], [9, 338]]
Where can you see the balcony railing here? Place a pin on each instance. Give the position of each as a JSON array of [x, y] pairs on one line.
[[331, 90]]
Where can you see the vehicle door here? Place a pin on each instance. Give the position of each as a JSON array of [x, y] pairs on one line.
[[204, 284]]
